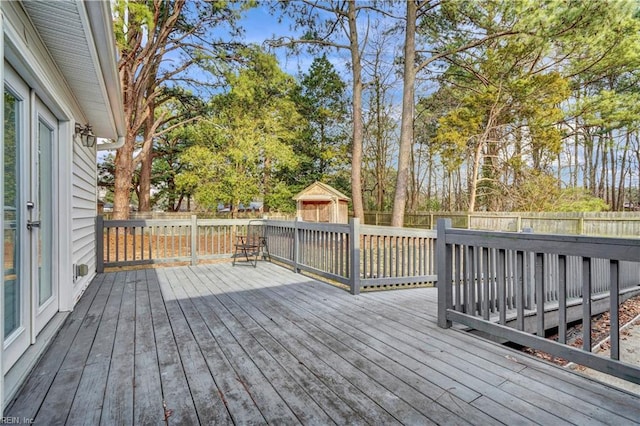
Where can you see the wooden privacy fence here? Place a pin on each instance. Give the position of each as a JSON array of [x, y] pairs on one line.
[[498, 282], [362, 257], [615, 224]]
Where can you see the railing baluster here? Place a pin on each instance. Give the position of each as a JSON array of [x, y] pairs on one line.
[[472, 280], [162, 247], [150, 241], [108, 244], [500, 278], [479, 277], [385, 257], [614, 307], [485, 283], [539, 280], [117, 232], [519, 283], [379, 258], [562, 299], [466, 290], [457, 277], [586, 304]]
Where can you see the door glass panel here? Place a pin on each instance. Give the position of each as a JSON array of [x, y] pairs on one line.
[[44, 212], [12, 289]]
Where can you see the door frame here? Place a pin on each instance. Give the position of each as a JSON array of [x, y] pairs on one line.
[[41, 315]]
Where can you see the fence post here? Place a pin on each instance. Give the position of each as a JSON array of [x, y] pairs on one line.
[[354, 254], [444, 257], [581, 224], [100, 244], [194, 240], [296, 246]]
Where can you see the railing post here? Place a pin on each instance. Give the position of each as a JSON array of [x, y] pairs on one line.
[[354, 254], [100, 244], [194, 240], [444, 260], [296, 246], [529, 275]]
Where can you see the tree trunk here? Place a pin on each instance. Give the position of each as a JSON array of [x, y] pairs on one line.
[[358, 134], [266, 183], [623, 172], [144, 199], [380, 149], [473, 184], [124, 169], [406, 126], [146, 160]]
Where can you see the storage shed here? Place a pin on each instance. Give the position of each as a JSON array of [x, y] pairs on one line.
[[320, 202]]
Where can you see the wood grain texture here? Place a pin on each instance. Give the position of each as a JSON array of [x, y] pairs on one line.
[[224, 345]]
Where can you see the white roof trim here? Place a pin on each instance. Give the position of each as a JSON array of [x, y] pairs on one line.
[[79, 38]]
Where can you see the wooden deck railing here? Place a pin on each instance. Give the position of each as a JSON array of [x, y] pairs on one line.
[[513, 285], [362, 257], [149, 241]]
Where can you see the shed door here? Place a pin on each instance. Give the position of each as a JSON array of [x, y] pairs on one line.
[[309, 211], [324, 212], [316, 211]]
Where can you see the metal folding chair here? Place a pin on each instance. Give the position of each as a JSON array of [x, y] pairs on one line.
[[253, 244]]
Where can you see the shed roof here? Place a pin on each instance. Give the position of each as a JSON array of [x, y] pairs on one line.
[[320, 191]]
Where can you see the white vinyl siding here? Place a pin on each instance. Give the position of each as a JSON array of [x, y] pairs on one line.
[[84, 213]]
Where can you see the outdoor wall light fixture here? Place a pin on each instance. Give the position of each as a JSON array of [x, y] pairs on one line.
[[85, 133]]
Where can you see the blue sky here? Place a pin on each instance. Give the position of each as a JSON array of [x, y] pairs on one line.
[[260, 25]]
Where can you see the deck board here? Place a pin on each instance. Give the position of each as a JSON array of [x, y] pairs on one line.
[[219, 344], [296, 398], [378, 378], [35, 388], [398, 376], [118, 396], [189, 389]]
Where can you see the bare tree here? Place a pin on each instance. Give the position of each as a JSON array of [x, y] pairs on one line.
[[380, 126], [335, 24]]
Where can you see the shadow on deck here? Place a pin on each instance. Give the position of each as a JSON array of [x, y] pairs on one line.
[[221, 344]]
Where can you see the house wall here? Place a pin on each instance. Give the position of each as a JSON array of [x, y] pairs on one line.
[[84, 199], [76, 165], [73, 168]]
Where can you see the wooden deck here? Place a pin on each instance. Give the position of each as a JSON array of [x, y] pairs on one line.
[[217, 344]]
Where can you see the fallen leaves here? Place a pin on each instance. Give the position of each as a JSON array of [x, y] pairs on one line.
[[600, 330]]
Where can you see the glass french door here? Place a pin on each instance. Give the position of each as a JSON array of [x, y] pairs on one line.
[[30, 290], [40, 225]]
